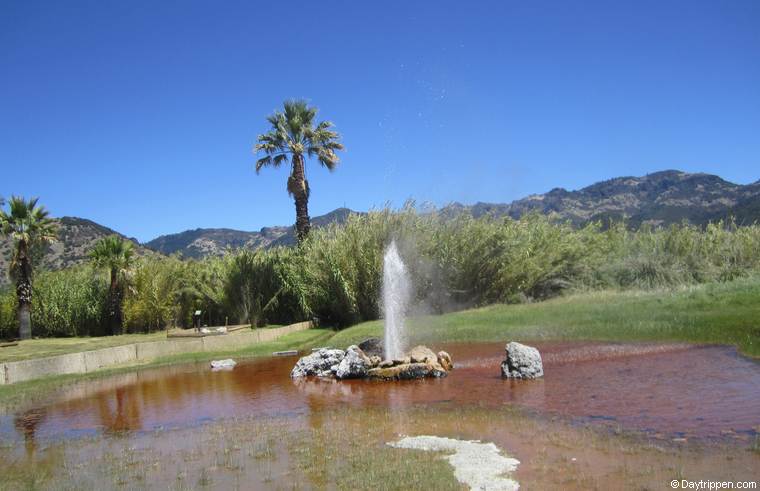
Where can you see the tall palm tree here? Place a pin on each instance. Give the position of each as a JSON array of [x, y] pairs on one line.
[[28, 225], [294, 135], [115, 255]]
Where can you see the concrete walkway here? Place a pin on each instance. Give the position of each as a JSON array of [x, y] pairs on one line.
[[90, 361]]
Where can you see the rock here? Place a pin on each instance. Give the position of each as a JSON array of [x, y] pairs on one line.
[[372, 347], [322, 363], [422, 354], [354, 364], [223, 364], [407, 371], [444, 359], [523, 362]]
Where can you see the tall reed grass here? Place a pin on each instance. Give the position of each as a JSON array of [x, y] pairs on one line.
[[335, 276]]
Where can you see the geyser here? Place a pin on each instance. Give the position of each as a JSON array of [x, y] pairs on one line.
[[419, 362], [396, 295]]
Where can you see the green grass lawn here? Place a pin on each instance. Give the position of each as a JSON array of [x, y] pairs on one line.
[[40, 348], [724, 313]]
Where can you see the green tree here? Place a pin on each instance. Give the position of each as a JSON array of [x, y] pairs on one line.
[[152, 301], [28, 225], [292, 136], [117, 256]]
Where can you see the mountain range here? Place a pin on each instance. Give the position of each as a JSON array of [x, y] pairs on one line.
[[203, 242], [661, 198]]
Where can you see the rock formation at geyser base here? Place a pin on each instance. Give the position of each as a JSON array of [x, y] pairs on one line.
[[353, 363]]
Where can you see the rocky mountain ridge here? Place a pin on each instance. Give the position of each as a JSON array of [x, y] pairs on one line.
[[661, 198], [203, 242]]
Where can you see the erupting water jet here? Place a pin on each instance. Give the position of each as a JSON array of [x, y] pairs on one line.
[[396, 294]]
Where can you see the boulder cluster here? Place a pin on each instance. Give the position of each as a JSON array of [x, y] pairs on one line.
[[419, 362]]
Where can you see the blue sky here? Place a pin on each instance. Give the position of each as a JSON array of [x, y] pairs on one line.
[[141, 115]]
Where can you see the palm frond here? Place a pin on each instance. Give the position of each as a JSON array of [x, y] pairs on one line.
[[28, 222], [113, 253], [293, 133]]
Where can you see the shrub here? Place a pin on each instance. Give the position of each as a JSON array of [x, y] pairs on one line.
[[153, 298], [8, 319], [69, 303], [264, 287]]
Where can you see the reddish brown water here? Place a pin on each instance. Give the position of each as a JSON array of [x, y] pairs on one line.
[[666, 390]]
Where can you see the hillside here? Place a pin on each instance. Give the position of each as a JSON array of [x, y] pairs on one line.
[[203, 242], [661, 198], [76, 238]]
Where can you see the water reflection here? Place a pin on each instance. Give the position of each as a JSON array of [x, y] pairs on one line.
[[120, 412], [26, 423]]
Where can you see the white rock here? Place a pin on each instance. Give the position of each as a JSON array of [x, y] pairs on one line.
[[354, 365], [223, 364], [322, 363], [477, 465]]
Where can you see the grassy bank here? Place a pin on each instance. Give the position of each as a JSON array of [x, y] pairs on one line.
[[44, 347], [720, 313], [41, 348]]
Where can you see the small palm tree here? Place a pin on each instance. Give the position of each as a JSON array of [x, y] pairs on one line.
[[117, 256], [293, 135], [28, 225]]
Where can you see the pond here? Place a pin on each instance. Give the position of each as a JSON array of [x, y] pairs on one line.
[[668, 391]]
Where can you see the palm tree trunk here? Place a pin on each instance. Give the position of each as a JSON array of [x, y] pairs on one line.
[[24, 321], [24, 290], [299, 188], [114, 304]]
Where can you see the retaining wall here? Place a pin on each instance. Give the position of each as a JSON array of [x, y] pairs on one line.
[[90, 361]]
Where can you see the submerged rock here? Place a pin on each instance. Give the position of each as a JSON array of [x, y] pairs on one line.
[[522, 362], [372, 347], [322, 363], [354, 364], [476, 464]]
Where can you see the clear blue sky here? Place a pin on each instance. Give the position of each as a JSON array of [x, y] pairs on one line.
[[142, 115]]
